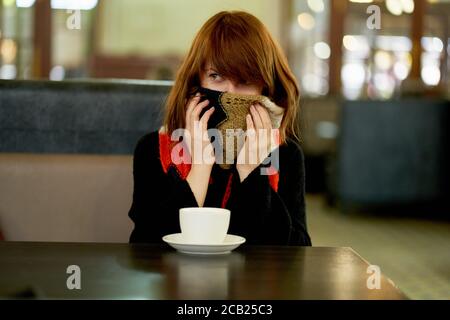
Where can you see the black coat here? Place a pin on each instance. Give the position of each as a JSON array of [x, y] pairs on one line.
[[258, 212]]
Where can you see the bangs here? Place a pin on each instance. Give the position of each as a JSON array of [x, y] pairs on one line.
[[234, 53], [239, 47]]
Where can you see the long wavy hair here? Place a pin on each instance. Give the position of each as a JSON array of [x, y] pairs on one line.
[[239, 47]]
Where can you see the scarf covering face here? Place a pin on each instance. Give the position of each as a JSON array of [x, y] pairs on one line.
[[230, 112]]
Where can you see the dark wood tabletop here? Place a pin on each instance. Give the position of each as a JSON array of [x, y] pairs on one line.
[[123, 271]]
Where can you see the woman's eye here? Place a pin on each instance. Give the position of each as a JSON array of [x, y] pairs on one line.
[[214, 76]]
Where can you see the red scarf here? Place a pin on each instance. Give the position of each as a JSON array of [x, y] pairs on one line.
[[165, 149]]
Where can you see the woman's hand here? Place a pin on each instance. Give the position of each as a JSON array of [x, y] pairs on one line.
[[196, 135], [199, 147], [259, 141]]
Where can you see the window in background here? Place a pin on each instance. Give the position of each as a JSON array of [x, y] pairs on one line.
[[121, 39], [310, 50], [69, 47], [375, 62], [16, 39], [434, 59], [147, 39], [139, 39], [72, 46]]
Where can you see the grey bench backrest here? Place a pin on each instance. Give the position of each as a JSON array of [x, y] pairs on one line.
[[394, 152], [91, 117]]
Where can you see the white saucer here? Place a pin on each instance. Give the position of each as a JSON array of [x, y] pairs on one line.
[[231, 242]]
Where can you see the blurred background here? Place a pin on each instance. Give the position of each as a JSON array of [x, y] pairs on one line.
[[82, 80]]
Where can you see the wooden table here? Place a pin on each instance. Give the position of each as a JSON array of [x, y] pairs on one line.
[[123, 271]]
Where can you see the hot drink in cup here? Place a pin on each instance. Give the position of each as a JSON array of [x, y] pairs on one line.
[[204, 225]]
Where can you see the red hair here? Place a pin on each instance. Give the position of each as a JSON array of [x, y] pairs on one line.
[[239, 47]]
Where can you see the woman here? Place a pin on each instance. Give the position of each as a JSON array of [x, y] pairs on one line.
[[233, 53]]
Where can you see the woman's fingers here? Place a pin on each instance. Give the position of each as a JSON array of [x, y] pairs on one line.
[[256, 117], [251, 130], [206, 116], [198, 109], [191, 105], [251, 144], [267, 133], [265, 118], [249, 121]]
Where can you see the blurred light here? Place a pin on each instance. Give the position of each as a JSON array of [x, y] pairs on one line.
[[26, 73], [316, 5], [385, 85], [356, 44], [351, 93], [306, 21], [431, 75], [432, 44], [394, 43], [8, 51], [408, 6], [383, 60], [401, 70], [353, 75], [322, 50], [8, 3], [314, 84], [394, 7], [57, 73], [405, 58], [361, 1], [409, 59], [321, 68], [350, 43], [74, 4], [8, 71], [397, 7], [25, 3], [326, 129]]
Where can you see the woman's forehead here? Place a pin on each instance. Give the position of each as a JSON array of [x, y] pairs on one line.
[[209, 66]]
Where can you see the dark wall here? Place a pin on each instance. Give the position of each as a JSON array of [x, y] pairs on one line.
[[394, 152], [78, 117]]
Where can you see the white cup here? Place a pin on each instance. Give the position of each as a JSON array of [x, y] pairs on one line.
[[204, 225]]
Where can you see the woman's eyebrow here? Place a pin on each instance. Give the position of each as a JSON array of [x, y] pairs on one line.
[[211, 69]]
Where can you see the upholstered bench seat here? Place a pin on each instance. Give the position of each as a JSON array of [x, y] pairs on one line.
[[47, 197]]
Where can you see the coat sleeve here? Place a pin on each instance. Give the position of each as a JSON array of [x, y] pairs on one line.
[[266, 216], [157, 196]]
